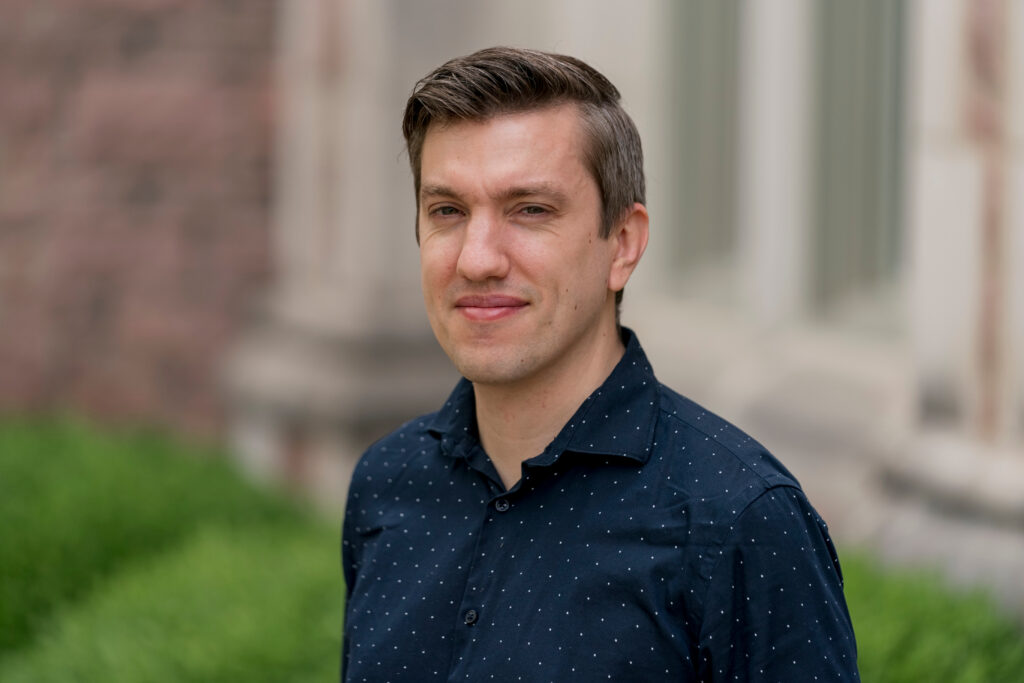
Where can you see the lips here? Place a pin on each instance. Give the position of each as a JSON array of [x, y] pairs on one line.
[[487, 307]]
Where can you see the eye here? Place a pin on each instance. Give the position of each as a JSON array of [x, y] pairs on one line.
[[444, 211], [533, 210]]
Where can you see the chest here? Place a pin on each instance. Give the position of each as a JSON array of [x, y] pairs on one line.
[[582, 574]]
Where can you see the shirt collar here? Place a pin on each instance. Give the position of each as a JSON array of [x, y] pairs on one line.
[[618, 419]]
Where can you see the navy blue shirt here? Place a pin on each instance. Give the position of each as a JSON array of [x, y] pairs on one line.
[[650, 541]]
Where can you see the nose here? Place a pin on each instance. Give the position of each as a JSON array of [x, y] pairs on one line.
[[484, 253]]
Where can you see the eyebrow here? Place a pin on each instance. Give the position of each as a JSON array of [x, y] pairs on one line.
[[539, 189], [436, 191]]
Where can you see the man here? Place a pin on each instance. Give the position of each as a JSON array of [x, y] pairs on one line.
[[564, 517]]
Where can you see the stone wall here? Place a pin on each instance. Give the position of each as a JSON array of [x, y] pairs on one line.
[[135, 143]]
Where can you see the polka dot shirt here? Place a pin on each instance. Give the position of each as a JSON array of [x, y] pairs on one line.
[[650, 541]]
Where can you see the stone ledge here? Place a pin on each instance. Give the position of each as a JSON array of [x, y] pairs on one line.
[[961, 476]]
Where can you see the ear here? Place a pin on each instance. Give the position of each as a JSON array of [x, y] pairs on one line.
[[630, 236]]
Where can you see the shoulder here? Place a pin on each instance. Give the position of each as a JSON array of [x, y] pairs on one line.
[[728, 483], [411, 437], [388, 458], [748, 513], [714, 456], [396, 448]]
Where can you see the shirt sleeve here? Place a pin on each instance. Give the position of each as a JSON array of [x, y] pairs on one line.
[[350, 546], [774, 609]]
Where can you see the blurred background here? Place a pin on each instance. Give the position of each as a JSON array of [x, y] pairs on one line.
[[206, 228]]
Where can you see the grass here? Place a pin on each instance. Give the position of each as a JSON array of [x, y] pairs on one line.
[[911, 627], [132, 557]]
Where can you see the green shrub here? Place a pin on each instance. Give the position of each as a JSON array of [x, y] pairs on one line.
[[75, 503], [910, 627], [254, 605]]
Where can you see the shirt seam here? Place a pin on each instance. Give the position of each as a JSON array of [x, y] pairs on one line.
[[726, 447], [731, 530]]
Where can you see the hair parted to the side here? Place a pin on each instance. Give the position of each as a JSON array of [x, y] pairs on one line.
[[504, 80]]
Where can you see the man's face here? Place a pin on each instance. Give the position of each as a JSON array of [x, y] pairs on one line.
[[515, 275]]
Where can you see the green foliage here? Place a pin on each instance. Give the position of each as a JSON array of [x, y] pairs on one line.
[[77, 503], [910, 627], [255, 605]]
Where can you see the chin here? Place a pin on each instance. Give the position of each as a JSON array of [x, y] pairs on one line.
[[490, 367]]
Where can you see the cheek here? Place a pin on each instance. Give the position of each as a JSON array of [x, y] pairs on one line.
[[574, 279], [432, 298], [437, 280], [435, 265], [588, 283], [590, 268]]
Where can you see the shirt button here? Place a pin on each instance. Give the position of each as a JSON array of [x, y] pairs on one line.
[[501, 505], [470, 617]]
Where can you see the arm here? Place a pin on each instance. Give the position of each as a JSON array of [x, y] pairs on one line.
[[774, 609], [349, 564]]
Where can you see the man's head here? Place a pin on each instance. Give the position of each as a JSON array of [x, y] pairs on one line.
[[527, 232], [503, 80]]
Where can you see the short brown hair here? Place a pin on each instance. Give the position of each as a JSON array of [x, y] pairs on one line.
[[504, 80]]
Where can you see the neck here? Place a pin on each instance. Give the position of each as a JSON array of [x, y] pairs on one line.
[[517, 421]]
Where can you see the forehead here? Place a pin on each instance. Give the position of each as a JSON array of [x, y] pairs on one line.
[[549, 140]]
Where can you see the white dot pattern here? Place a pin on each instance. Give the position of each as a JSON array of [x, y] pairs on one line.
[[651, 541]]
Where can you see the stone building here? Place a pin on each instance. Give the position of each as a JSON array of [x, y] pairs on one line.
[[134, 202], [837, 244], [827, 184]]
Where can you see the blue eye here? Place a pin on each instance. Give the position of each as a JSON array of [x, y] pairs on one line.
[[534, 210], [445, 211]]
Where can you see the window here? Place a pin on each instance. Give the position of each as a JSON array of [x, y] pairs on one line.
[[857, 165]]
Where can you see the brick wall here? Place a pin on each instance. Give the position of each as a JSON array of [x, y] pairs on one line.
[[135, 140]]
